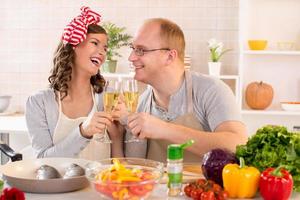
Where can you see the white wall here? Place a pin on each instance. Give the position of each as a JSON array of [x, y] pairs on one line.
[[30, 31]]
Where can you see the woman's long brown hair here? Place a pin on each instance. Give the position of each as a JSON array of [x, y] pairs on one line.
[[63, 63]]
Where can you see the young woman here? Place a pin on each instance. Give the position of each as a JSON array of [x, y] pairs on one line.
[[63, 119]]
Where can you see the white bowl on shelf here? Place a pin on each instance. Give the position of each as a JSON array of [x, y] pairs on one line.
[[290, 106], [286, 46]]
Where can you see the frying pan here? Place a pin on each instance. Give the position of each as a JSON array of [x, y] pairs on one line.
[[22, 173]]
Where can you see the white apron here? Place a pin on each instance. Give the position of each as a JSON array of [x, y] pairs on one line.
[[157, 149], [94, 150]]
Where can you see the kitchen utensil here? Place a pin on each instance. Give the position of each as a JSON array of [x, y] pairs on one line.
[[23, 173], [47, 172], [74, 170]]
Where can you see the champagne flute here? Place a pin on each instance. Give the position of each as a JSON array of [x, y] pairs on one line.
[[110, 101], [131, 96]]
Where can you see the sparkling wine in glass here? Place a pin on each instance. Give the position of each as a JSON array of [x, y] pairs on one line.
[[111, 94], [131, 96]]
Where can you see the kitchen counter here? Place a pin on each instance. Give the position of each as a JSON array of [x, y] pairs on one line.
[[13, 123], [89, 193], [160, 193]]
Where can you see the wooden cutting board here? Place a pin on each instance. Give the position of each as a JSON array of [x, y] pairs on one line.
[[191, 172]]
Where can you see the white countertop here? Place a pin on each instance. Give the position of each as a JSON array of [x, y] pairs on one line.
[[160, 193], [14, 123]]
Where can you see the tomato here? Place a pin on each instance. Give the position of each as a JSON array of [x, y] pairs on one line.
[[193, 185], [196, 193], [107, 189], [209, 195], [203, 189], [100, 187], [210, 183], [140, 190], [216, 188], [146, 176], [222, 195], [188, 190], [201, 182], [104, 190]]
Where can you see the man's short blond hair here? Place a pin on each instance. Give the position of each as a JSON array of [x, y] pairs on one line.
[[171, 34]]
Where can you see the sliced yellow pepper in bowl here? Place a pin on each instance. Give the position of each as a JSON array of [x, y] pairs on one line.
[[240, 181]]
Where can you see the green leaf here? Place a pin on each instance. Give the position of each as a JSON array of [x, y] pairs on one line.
[[116, 39], [1, 185], [272, 146]]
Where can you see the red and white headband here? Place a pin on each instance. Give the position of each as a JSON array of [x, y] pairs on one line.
[[76, 31]]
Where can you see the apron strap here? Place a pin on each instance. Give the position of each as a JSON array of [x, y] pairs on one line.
[[189, 89], [59, 102], [95, 97], [189, 100]]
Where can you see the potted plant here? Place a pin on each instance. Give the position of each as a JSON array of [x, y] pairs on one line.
[[116, 39], [216, 52]]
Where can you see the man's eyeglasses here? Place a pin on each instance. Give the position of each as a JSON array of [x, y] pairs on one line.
[[140, 51]]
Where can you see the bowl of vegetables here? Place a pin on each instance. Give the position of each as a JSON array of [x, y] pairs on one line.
[[124, 178]]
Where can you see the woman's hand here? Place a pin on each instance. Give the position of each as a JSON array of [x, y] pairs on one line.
[[95, 124]]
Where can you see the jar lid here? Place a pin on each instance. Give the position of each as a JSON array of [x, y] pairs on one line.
[[175, 151]]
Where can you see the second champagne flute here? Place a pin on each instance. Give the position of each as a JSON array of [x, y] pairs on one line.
[[131, 96]]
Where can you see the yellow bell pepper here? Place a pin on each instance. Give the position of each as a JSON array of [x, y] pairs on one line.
[[119, 173], [240, 181]]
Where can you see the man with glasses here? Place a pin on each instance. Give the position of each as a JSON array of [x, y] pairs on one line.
[[178, 105]]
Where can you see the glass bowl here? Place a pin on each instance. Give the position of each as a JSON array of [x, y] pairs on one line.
[[124, 178]]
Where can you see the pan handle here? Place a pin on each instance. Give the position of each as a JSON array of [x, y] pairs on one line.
[[10, 152]]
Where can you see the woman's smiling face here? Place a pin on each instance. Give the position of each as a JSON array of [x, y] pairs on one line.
[[91, 53]]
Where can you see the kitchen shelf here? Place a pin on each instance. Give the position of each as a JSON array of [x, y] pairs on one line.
[[270, 112], [267, 52]]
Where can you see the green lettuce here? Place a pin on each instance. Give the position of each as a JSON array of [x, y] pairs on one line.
[[272, 146]]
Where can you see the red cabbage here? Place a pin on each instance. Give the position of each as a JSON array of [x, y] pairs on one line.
[[213, 163]]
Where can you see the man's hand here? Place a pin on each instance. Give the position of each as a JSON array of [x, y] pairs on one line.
[[144, 125]]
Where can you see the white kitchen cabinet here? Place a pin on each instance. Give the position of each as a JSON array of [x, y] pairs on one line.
[[274, 21], [233, 81]]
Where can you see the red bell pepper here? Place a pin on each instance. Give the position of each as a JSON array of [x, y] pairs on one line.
[[276, 184]]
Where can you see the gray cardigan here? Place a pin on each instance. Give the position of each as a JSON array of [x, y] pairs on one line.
[[41, 117]]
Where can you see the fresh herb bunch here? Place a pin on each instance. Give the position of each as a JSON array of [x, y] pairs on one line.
[[116, 39], [272, 146]]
